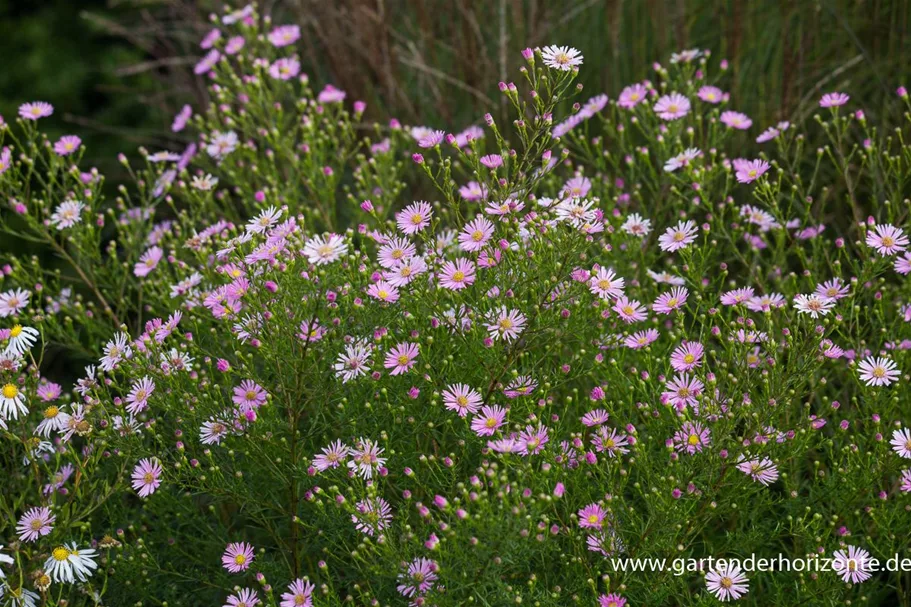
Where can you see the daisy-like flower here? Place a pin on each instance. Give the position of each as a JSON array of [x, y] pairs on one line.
[[640, 339], [299, 594], [35, 110], [609, 441], [687, 356], [320, 251], [691, 438], [401, 358], [353, 362], [475, 234], [606, 284], [20, 340], [35, 523], [67, 144], [735, 120], [116, 350], [636, 225], [737, 296], [562, 58], [473, 191], [6, 160], [414, 218], [283, 35], [576, 211], [365, 458], [383, 291], [462, 399], [406, 271], [711, 94], [5, 559], [852, 565], [457, 275], [492, 161], [249, 395], [264, 221], [878, 371], [761, 470], [595, 418], [182, 118], [768, 135], [419, 578], [727, 582], [887, 239], [148, 262], [523, 385], [488, 421], [68, 563], [67, 214], [431, 139], [13, 301], [632, 95], [678, 237], [245, 598], [146, 477], [394, 252], [833, 100], [682, 391], [285, 68], [672, 106], [611, 600], [238, 556], [372, 516], [902, 264], [221, 144], [331, 457], [751, 170], [577, 187], [764, 303], [682, 159], [813, 304], [906, 481], [54, 419], [592, 516], [506, 324], [138, 398], [630, 310], [12, 402], [901, 442], [532, 440]]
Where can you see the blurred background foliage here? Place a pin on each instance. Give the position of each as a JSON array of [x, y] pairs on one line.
[[117, 70]]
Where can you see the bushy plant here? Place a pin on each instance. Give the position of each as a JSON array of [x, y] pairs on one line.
[[608, 337]]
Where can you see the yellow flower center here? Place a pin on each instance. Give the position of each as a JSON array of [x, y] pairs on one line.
[[36, 524], [10, 391], [693, 440], [689, 359], [240, 559], [888, 241], [60, 553], [403, 359], [477, 235], [727, 582], [459, 276], [51, 412], [505, 324], [15, 331], [416, 219]]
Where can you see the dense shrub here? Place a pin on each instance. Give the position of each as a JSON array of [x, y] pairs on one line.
[[608, 337]]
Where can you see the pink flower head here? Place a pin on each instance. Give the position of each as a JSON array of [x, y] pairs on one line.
[[833, 100], [687, 356], [672, 106], [249, 395], [457, 275], [761, 470], [476, 234], [492, 161], [299, 594], [383, 291], [67, 144], [146, 477], [285, 69], [887, 239], [283, 35], [592, 516], [736, 120], [751, 170], [632, 95], [401, 358], [462, 399], [611, 600], [691, 438], [238, 556], [711, 94], [414, 218], [488, 421], [35, 110], [727, 582], [852, 565], [670, 301], [148, 262], [35, 523], [678, 237]]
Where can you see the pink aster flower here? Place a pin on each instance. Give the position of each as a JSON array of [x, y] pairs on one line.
[[181, 118], [372, 515], [672, 106], [595, 418], [283, 35], [751, 170], [736, 120], [49, 392], [727, 582], [332, 456], [606, 284], [488, 421], [365, 458], [383, 291], [492, 161], [853, 565], [148, 262], [678, 237], [611, 600], [591, 516], [813, 304], [834, 289], [414, 218], [330, 94], [833, 100], [609, 441], [903, 264], [138, 398], [764, 303], [457, 275], [238, 556], [419, 577], [737, 296], [887, 239], [299, 594], [476, 234], [249, 395], [35, 110], [506, 324], [906, 481], [523, 385], [687, 356], [532, 440], [35, 523], [395, 251], [462, 399], [761, 470], [67, 144], [640, 339], [711, 94], [401, 358], [245, 598], [632, 95], [878, 371], [630, 310], [901, 442], [431, 139], [207, 62], [682, 391], [146, 477], [473, 191], [691, 438], [285, 69]]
